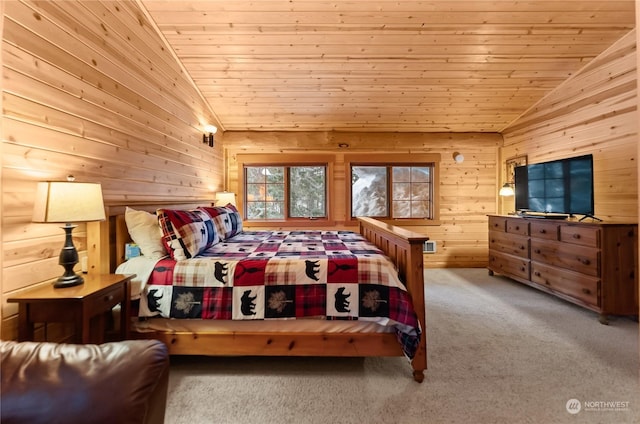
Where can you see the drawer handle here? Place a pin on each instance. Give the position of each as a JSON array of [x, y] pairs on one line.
[[586, 291], [537, 274], [547, 282], [576, 236], [108, 298], [585, 261], [537, 251], [543, 231], [517, 228], [522, 247]]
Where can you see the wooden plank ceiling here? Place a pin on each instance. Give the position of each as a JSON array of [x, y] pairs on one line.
[[311, 65]]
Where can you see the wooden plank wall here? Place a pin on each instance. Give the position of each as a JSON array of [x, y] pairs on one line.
[[89, 89], [1, 151], [637, 150], [467, 190], [594, 111]]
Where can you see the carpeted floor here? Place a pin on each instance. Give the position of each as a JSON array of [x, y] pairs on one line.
[[498, 351]]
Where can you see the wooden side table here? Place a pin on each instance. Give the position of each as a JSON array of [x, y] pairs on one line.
[[85, 305]]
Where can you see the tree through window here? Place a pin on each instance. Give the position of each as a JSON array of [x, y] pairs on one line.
[[281, 192]]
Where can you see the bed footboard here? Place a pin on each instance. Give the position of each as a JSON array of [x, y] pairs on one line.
[[404, 247]]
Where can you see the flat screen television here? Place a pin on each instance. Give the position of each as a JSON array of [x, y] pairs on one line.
[[563, 186]]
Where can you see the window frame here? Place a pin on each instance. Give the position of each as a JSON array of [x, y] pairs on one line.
[[295, 160], [389, 161]]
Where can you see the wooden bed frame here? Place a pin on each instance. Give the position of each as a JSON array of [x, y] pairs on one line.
[[404, 247]]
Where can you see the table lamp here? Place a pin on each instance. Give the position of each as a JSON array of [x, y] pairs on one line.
[[67, 202], [223, 198]]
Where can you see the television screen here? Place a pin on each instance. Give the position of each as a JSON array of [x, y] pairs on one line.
[[560, 186]]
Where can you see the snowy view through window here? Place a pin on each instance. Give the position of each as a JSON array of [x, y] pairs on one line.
[[379, 191], [369, 191], [410, 188]]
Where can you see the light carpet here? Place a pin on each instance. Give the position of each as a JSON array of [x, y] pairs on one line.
[[498, 352]]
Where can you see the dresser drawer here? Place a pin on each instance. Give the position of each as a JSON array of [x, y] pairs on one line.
[[497, 223], [544, 230], [509, 243], [584, 236], [518, 226], [509, 265], [582, 259], [578, 286], [105, 300]]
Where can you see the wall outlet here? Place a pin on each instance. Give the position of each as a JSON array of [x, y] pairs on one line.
[[429, 246]]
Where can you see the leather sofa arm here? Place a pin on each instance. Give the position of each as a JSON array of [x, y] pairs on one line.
[[119, 382]]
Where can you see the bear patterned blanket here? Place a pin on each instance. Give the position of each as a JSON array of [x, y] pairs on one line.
[[285, 275]]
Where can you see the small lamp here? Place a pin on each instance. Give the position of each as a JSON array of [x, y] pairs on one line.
[[506, 190], [225, 197], [208, 138], [458, 157], [67, 202]]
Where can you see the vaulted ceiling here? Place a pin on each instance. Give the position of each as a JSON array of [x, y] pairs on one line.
[[390, 65]]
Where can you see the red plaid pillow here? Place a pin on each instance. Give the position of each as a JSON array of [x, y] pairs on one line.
[[221, 220], [236, 220], [186, 234], [227, 220]]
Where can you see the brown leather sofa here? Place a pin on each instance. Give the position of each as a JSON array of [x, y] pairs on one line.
[[118, 382]]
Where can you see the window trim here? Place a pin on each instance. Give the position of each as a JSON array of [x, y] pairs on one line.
[[396, 159], [270, 159]]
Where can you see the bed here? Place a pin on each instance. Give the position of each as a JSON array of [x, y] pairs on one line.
[[341, 332]]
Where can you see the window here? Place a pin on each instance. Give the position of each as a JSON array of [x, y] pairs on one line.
[[392, 191], [307, 191], [315, 189], [265, 192], [286, 191]]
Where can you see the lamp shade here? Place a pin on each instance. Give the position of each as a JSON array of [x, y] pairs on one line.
[[506, 190], [66, 201], [225, 197]]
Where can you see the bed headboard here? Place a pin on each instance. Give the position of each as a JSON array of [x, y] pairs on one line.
[[107, 239]]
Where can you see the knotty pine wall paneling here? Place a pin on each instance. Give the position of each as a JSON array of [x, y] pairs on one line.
[[467, 190], [1, 156], [90, 89], [637, 33], [594, 111]]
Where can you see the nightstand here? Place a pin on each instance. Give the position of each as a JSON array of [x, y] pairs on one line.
[[85, 305]]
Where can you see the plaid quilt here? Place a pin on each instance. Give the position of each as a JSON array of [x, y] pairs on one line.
[[264, 275]]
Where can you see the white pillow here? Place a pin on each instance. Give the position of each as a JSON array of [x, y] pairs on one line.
[[145, 232]]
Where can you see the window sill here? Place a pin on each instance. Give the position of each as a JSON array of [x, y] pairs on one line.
[[290, 223], [406, 222]]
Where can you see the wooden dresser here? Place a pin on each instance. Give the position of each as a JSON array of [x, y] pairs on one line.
[[590, 264]]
